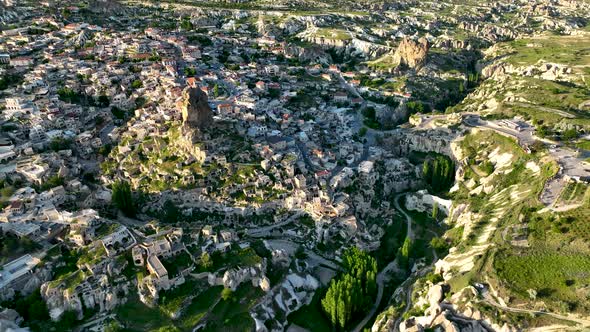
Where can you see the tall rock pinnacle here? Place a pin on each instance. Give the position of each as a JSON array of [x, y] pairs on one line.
[[195, 109]]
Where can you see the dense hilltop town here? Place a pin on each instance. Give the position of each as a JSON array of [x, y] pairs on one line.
[[294, 165]]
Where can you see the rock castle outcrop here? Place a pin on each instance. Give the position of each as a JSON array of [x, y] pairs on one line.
[[411, 54], [195, 109]]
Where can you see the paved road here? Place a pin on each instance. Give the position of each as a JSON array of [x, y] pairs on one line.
[[409, 232], [99, 319], [408, 287], [265, 231], [488, 299], [570, 161]]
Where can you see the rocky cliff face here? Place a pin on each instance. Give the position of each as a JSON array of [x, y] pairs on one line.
[[195, 109], [400, 175], [60, 299], [443, 314], [293, 293], [411, 54], [314, 54], [438, 141], [369, 49]]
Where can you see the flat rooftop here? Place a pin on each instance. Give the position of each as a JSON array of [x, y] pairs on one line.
[[157, 266], [16, 269]]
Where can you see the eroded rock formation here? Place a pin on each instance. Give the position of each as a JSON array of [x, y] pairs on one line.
[[411, 54], [195, 109]]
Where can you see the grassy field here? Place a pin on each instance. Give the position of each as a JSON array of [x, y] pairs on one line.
[[331, 33], [576, 220], [312, 316], [385, 62], [232, 315], [136, 316], [555, 276], [572, 50], [391, 241], [173, 300], [552, 266], [198, 308], [584, 145], [574, 192]]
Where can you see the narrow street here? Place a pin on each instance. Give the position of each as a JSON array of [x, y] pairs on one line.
[[265, 231]]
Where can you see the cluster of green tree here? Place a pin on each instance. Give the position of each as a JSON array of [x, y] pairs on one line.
[[472, 80], [537, 146], [134, 69], [370, 118], [274, 93], [543, 131], [404, 253], [32, 307], [487, 167], [103, 101], [411, 251], [186, 24], [60, 143], [105, 150], [190, 71], [8, 127], [118, 113], [11, 245], [363, 131], [123, 199], [417, 107], [223, 57], [41, 29], [216, 90], [140, 101], [136, 84], [440, 245], [389, 101], [439, 173], [52, 182], [391, 241], [68, 95], [451, 98], [569, 135], [6, 191], [155, 57], [36, 31], [170, 212], [206, 261], [202, 40], [35, 313], [163, 24], [352, 293], [336, 55], [232, 66], [307, 117], [89, 57]]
